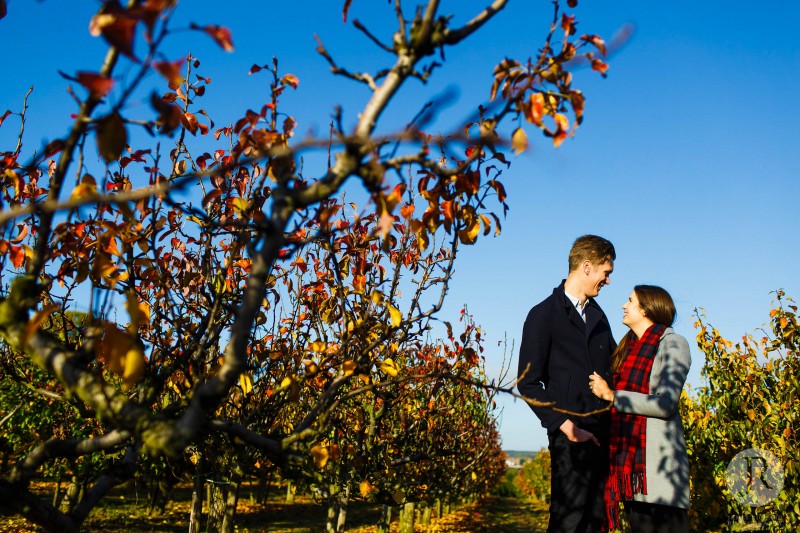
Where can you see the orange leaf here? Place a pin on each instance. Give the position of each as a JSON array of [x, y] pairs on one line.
[[535, 111], [17, 255], [407, 211], [171, 71], [320, 455], [600, 66], [290, 79], [189, 122], [23, 232]]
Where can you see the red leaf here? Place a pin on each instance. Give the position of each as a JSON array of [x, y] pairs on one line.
[[171, 70], [597, 41], [118, 29], [211, 196], [53, 147], [98, 85], [220, 34], [169, 115], [346, 9], [8, 112]]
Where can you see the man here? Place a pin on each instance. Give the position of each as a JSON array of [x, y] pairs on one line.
[[566, 337]]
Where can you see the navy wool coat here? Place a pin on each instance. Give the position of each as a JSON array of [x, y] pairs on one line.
[[557, 354]]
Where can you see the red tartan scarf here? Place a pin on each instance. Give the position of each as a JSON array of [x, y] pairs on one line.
[[627, 474]]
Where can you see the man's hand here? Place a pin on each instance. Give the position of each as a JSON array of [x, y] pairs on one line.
[[576, 434]]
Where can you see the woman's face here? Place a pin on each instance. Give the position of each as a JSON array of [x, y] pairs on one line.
[[632, 314]]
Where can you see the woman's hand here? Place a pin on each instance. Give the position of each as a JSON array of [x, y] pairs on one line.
[[600, 388]]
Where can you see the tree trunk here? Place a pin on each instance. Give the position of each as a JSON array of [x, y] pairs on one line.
[[231, 501], [344, 500], [425, 517], [71, 497], [289, 492], [217, 506], [385, 519], [407, 518], [330, 521], [57, 493], [197, 498]]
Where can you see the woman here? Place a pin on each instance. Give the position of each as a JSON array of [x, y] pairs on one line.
[[649, 466]]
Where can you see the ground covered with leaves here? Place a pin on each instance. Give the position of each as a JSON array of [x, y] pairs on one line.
[[125, 511]]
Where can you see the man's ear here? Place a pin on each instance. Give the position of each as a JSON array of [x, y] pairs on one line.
[[587, 267]]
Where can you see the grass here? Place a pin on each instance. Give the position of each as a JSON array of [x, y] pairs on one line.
[[125, 511]]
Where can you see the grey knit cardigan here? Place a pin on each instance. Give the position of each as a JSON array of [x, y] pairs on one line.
[[666, 459]]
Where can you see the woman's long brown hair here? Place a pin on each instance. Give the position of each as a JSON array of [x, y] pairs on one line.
[[656, 305]]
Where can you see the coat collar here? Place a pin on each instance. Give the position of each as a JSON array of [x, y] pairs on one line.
[[593, 312]]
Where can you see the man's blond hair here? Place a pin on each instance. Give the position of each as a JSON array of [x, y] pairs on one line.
[[596, 249]]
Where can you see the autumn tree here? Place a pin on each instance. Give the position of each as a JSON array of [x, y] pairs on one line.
[[179, 250], [749, 400]]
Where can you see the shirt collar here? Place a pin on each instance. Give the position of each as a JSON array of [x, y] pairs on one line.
[[580, 308]]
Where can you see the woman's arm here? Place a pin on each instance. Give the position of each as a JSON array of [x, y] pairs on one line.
[[663, 403]]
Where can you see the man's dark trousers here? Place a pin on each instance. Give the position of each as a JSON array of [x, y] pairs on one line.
[[578, 476]]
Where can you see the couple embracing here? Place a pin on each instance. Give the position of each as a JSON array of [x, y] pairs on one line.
[[633, 453]]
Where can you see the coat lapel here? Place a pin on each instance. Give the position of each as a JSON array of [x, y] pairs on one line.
[[573, 315], [593, 316]]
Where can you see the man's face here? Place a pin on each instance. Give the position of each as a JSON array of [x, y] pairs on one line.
[[598, 276]]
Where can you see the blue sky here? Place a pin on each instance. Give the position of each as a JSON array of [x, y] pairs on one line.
[[687, 159]]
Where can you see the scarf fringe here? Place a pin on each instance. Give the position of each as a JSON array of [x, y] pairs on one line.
[[621, 488]]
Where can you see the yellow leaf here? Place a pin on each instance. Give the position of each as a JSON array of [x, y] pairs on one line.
[[389, 367], [377, 297], [365, 487], [122, 355], [246, 382], [105, 269], [136, 311], [86, 188], [474, 476], [349, 367], [318, 346], [194, 458], [399, 496], [134, 364], [395, 315], [320, 454], [519, 141], [240, 205]]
